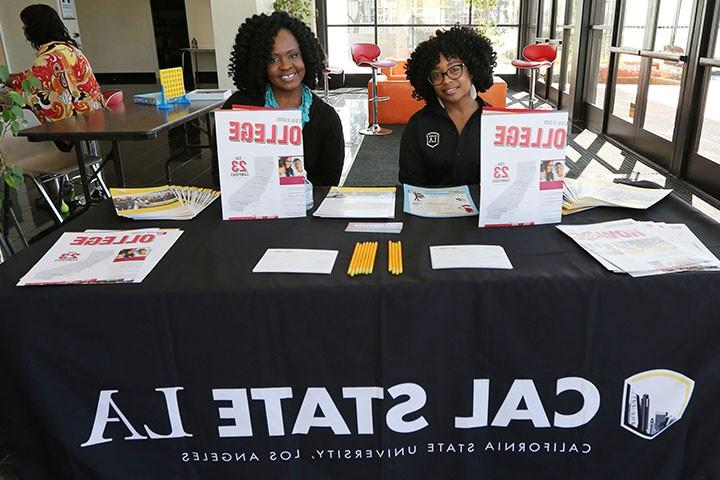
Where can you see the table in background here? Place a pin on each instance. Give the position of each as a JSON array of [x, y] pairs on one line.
[[203, 321], [130, 121]]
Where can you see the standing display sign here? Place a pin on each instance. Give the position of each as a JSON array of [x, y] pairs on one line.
[[522, 167], [260, 157]]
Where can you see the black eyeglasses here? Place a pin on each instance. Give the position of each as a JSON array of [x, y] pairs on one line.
[[453, 73]]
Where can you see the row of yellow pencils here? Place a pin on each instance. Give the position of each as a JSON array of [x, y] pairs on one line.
[[395, 263], [363, 259]]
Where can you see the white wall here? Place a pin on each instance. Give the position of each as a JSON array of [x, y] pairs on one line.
[[199, 21], [117, 36], [19, 53], [227, 16]]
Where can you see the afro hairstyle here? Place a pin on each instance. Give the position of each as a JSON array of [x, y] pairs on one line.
[[253, 45], [468, 45]]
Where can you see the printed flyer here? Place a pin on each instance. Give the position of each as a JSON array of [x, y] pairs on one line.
[[522, 167], [260, 157]]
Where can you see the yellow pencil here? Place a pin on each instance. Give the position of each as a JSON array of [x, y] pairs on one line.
[[353, 260], [399, 256], [368, 258], [364, 258], [374, 253], [389, 256]]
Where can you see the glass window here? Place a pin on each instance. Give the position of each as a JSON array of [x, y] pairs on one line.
[[673, 26], [709, 146], [546, 19], [505, 45], [597, 82], [717, 41], [505, 12], [350, 12], [428, 12], [557, 65], [662, 97], [559, 16], [344, 37], [633, 30], [626, 87], [569, 34]]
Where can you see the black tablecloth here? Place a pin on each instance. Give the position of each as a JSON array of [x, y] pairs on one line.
[[202, 329]]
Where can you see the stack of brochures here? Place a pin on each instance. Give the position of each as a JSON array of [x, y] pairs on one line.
[[643, 248], [358, 202], [169, 202], [586, 193], [102, 256]]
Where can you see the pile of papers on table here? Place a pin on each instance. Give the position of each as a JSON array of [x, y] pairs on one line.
[[586, 193], [169, 202], [102, 256], [643, 248], [358, 202]]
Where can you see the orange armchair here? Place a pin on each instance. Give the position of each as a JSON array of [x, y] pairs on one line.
[[401, 105]]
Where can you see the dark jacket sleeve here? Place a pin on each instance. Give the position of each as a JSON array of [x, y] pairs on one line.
[[328, 167], [412, 171]]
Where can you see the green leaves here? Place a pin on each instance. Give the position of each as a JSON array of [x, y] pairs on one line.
[[4, 73]]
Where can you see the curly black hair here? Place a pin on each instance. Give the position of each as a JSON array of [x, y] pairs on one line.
[[253, 45], [473, 48], [43, 25]]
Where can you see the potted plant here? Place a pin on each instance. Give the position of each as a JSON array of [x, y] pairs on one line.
[[300, 9], [11, 121]]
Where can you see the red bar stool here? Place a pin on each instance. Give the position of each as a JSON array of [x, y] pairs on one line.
[[536, 57], [365, 55], [327, 71]]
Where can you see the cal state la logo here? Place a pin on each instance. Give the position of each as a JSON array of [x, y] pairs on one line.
[[432, 139], [653, 401]]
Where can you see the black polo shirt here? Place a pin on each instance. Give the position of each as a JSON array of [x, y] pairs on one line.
[[433, 153]]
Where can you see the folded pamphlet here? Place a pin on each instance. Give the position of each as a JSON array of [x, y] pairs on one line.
[[169, 202]]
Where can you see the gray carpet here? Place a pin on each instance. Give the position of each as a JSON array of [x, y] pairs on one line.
[[376, 163]]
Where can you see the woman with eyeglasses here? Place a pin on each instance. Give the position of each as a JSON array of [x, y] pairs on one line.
[[440, 145]]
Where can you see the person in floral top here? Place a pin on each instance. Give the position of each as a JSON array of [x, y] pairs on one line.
[[69, 86]]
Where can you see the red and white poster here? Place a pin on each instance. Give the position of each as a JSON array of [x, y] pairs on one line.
[[522, 166], [260, 157]]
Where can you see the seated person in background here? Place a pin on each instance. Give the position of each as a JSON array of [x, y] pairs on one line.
[[275, 62], [440, 145], [68, 84]]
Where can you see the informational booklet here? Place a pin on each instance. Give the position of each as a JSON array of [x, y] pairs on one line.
[[643, 248], [168, 202], [296, 260], [438, 202], [92, 257], [358, 202], [469, 256], [582, 194], [522, 167], [260, 159]]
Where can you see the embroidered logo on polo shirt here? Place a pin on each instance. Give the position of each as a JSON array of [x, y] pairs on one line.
[[432, 139]]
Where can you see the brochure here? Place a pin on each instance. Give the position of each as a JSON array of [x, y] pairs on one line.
[[585, 193], [438, 202], [643, 248], [260, 158], [121, 256], [522, 167], [358, 202], [169, 202]]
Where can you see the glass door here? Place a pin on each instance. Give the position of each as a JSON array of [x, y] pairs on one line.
[[598, 62], [703, 167], [648, 78], [564, 37]]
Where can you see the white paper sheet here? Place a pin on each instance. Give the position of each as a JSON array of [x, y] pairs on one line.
[[469, 256], [572, 154], [585, 139], [612, 155], [358, 202], [296, 260], [374, 227]]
